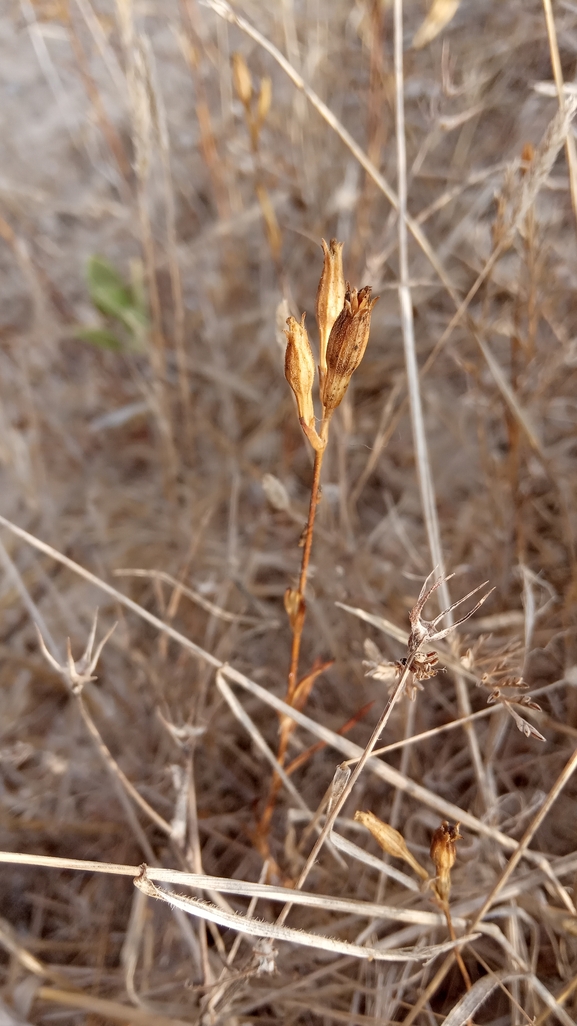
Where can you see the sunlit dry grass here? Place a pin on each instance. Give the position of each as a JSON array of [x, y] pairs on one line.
[[204, 151]]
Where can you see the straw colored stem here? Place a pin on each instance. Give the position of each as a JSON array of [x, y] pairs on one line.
[[561, 998], [424, 474], [558, 76]]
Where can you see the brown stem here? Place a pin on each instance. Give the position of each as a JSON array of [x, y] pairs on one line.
[[298, 624], [464, 973]]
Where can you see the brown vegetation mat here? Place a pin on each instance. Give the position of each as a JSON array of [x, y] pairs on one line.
[[168, 171]]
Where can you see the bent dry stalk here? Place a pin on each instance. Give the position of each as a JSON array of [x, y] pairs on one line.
[[344, 320]]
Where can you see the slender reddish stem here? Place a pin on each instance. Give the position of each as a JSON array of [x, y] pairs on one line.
[[288, 727], [298, 629]]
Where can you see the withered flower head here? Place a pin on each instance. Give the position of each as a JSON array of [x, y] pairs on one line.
[[241, 78], [443, 854], [299, 368], [330, 296], [428, 630], [390, 840], [346, 346], [294, 605]]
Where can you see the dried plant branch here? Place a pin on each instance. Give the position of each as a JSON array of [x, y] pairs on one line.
[[76, 675], [194, 596]]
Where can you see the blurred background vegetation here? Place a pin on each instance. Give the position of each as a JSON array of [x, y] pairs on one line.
[[164, 187]]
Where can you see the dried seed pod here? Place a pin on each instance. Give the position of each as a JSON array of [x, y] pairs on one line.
[[330, 296], [346, 346], [341, 777], [264, 101], [299, 368], [443, 854], [241, 79], [294, 605], [390, 841]]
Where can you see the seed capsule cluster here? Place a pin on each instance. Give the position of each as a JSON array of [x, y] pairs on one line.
[[344, 321]]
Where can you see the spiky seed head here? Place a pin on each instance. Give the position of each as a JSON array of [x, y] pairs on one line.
[[299, 368], [443, 854], [330, 296], [346, 346], [241, 79]]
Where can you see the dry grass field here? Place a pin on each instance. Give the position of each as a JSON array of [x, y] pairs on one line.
[[349, 809]]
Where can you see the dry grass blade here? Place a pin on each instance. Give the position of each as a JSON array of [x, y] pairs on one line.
[[354, 852], [440, 14], [257, 928], [223, 9], [491, 898], [424, 473], [482, 990], [194, 596], [348, 748], [558, 75], [115, 1010], [381, 769], [49, 550], [257, 738]]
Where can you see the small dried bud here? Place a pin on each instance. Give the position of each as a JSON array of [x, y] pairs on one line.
[[330, 296], [527, 154], [390, 841], [241, 79], [294, 605], [346, 346], [340, 780], [299, 368], [443, 854], [264, 101]]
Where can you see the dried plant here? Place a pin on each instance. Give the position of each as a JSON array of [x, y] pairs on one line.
[[201, 150], [512, 698], [344, 334]]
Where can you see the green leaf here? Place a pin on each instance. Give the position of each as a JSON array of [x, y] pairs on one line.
[[113, 297], [100, 337]]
